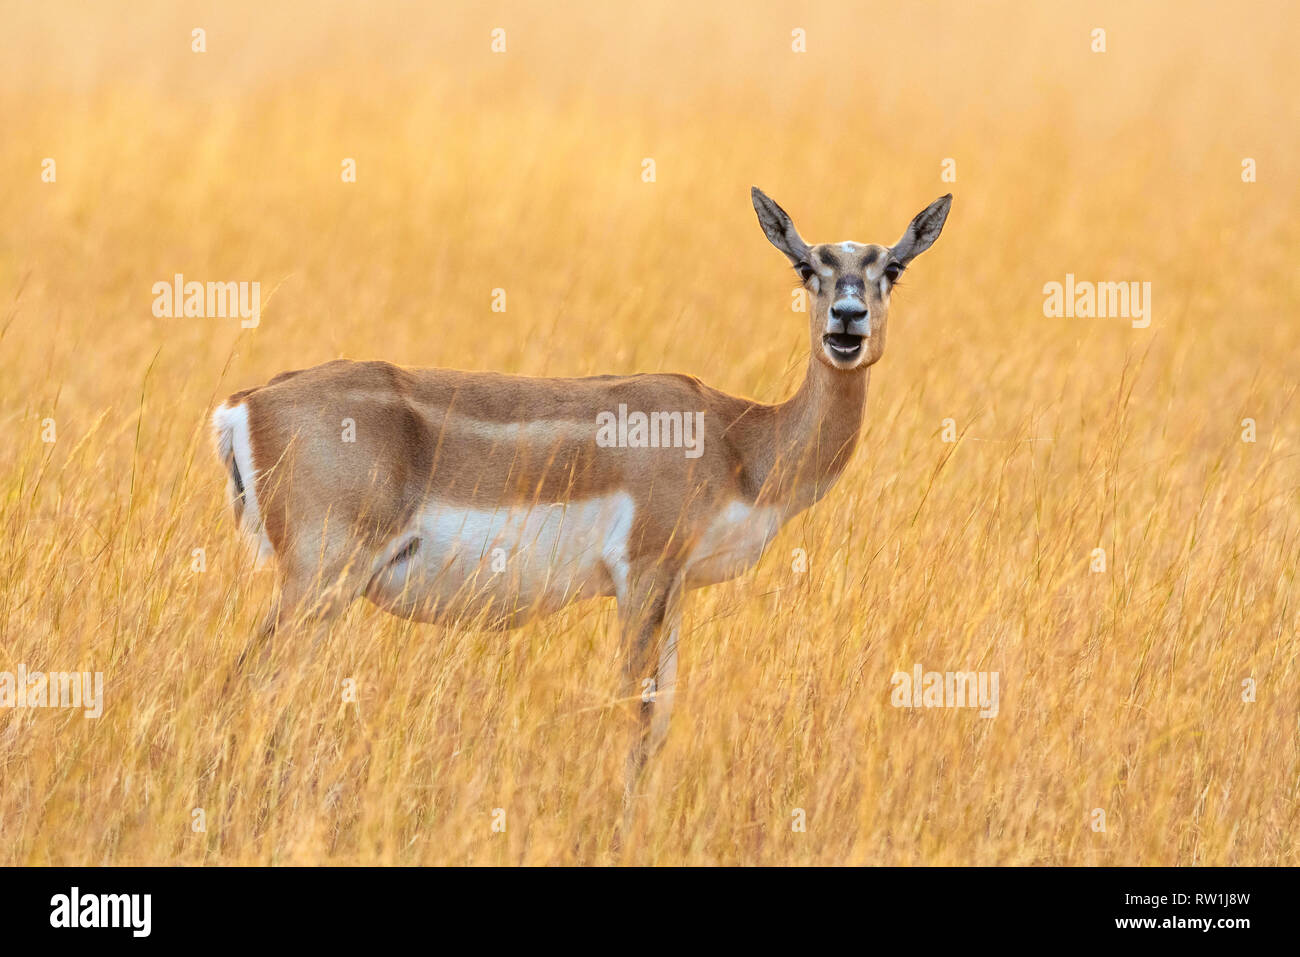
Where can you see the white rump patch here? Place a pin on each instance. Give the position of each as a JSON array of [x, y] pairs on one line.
[[230, 428]]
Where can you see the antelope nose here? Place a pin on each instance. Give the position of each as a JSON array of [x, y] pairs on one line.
[[850, 311]]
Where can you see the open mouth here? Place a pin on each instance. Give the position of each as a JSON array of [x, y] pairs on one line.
[[842, 345]]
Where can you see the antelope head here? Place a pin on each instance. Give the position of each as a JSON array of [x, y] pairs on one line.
[[849, 283]]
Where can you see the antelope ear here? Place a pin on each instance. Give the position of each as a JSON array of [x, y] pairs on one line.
[[923, 230], [778, 226]]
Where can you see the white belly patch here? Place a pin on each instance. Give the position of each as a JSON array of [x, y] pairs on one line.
[[513, 562]]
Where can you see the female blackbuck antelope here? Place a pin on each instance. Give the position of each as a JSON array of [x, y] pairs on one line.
[[443, 495]]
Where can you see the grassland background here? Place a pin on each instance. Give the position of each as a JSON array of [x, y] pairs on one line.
[[1120, 691]]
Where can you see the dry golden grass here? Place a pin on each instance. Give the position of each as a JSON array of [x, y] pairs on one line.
[[1120, 691]]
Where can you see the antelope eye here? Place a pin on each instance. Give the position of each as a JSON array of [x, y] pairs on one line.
[[804, 270], [893, 271]]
